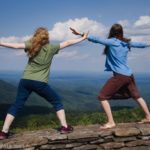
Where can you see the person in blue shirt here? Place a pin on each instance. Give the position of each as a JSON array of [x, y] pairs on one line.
[[122, 85]]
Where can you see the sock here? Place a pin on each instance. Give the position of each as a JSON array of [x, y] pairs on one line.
[[8, 121]]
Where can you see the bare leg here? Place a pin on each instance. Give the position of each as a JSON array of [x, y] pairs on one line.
[[62, 117], [143, 105], [107, 109], [8, 121]]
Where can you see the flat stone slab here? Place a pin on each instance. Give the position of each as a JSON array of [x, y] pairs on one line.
[[123, 136]]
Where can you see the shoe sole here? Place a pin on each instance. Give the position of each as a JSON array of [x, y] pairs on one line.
[[66, 132]]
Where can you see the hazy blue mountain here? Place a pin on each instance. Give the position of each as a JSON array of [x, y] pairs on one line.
[[78, 91]]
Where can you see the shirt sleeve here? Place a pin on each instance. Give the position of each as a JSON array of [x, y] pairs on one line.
[[27, 45], [56, 48], [138, 44], [100, 40]]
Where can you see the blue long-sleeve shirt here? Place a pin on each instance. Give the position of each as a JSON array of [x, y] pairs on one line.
[[116, 58]]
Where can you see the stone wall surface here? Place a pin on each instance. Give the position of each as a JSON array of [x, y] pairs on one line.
[[126, 136]]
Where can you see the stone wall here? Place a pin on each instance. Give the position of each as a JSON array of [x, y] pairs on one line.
[[128, 136]]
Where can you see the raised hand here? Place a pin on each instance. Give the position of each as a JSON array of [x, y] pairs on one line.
[[76, 32], [85, 35]]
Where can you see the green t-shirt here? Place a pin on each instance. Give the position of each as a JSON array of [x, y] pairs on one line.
[[38, 68]]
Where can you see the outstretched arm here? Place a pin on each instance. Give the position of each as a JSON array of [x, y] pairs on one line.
[[139, 44], [76, 32], [13, 45], [95, 39], [73, 41]]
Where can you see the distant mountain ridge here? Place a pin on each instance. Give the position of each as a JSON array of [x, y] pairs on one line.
[[73, 99], [7, 92], [78, 92]]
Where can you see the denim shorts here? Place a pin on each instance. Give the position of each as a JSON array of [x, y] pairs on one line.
[[26, 87]]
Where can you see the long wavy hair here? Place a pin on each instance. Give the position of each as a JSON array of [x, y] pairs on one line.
[[39, 38], [117, 32]]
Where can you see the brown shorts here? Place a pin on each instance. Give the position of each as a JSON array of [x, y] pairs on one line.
[[119, 87]]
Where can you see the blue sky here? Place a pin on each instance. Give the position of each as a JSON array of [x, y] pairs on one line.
[[19, 18]]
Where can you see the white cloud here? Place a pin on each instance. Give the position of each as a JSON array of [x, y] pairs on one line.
[[139, 38], [138, 30], [135, 31], [61, 30], [13, 39], [143, 22], [124, 23]]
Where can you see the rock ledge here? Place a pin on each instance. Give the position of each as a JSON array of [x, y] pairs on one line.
[[126, 136]]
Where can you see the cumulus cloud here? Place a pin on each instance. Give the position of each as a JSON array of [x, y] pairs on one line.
[[143, 22], [61, 30], [137, 31]]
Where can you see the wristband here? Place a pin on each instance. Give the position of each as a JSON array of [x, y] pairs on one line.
[[82, 34]]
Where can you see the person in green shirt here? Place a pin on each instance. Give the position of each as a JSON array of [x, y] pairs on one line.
[[35, 76]]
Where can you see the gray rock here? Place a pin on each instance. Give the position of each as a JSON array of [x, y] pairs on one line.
[[127, 132], [87, 147], [136, 148], [112, 145], [23, 142], [125, 136], [138, 143]]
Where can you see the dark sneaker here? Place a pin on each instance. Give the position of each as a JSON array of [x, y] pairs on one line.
[[3, 135], [64, 130]]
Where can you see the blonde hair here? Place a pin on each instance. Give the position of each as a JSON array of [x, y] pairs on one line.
[[40, 38]]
